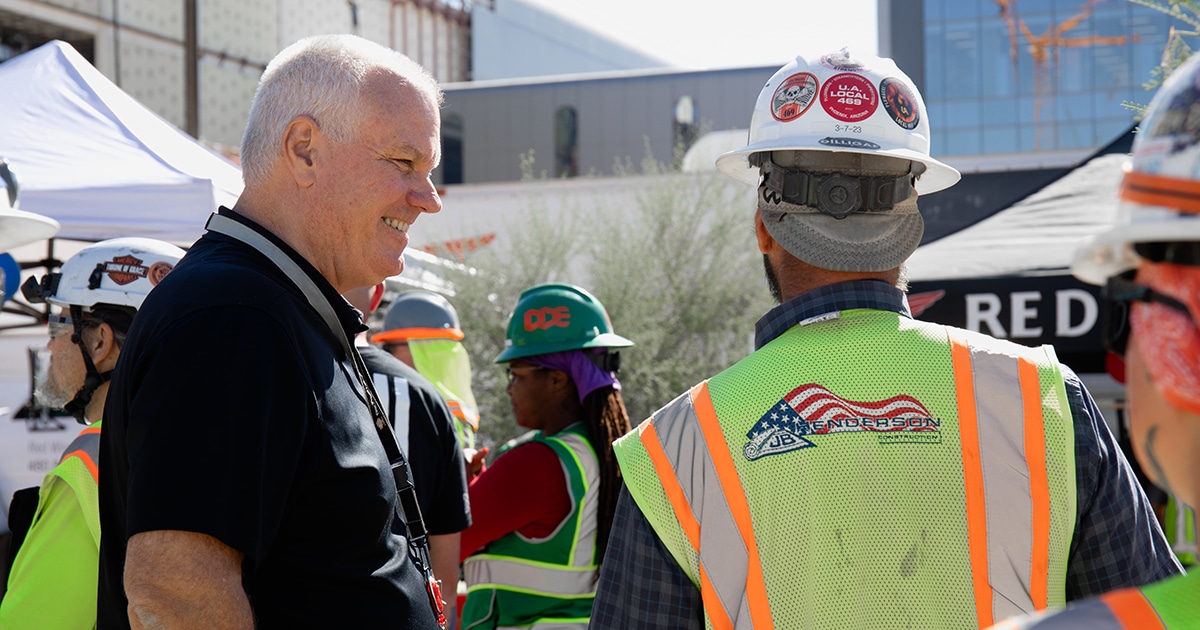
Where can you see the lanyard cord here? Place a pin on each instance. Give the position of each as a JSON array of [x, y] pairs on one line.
[[409, 509]]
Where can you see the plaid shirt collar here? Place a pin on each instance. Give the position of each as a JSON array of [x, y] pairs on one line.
[[843, 296]]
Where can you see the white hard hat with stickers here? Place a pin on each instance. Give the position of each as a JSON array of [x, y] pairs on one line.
[[1160, 192], [116, 272], [840, 102]]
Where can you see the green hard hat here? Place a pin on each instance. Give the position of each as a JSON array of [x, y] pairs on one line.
[[555, 318]]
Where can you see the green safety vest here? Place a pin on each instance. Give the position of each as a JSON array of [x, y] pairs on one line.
[[54, 575], [1179, 522], [548, 582], [866, 470], [1172, 604]]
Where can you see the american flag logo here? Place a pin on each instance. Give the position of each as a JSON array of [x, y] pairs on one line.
[[812, 410]]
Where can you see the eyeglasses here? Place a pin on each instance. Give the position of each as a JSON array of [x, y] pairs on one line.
[[1119, 294], [60, 324], [512, 372]]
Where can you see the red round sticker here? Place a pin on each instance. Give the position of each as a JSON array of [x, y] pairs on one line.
[[793, 97], [849, 97]]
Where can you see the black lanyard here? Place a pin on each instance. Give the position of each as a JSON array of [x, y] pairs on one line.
[[409, 511]]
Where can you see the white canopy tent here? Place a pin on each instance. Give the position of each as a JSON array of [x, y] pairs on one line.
[[91, 157]]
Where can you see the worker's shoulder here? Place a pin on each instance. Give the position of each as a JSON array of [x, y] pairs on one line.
[[980, 342], [215, 274]]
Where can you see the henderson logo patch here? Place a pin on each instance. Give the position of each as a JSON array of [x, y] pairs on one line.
[[811, 411]]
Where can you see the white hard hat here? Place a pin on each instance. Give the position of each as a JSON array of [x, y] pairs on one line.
[[18, 227], [116, 272], [1160, 192], [840, 102]]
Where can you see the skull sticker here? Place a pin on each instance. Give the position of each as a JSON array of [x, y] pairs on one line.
[[793, 97]]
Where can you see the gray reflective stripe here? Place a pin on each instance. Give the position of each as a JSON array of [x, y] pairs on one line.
[[1007, 498], [534, 578], [584, 545], [1089, 614], [394, 392], [88, 443], [1183, 544], [722, 550]]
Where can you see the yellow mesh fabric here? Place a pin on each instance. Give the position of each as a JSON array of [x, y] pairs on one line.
[[1060, 472], [851, 527]]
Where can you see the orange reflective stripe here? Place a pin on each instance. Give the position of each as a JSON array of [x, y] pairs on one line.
[[90, 431], [87, 461], [712, 604], [1130, 608], [739, 507], [968, 430], [404, 334], [670, 483], [1039, 482], [1156, 190]]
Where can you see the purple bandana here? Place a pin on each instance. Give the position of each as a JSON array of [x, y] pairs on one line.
[[588, 378]]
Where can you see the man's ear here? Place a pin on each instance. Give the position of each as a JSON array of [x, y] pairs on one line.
[[103, 347], [299, 143], [766, 242]]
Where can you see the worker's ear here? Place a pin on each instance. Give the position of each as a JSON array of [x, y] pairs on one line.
[[766, 242], [102, 345], [300, 140], [558, 379]]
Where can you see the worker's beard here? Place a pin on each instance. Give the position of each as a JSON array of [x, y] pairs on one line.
[[772, 280], [50, 392]]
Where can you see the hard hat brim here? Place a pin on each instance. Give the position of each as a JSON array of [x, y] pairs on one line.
[[604, 340], [736, 164]]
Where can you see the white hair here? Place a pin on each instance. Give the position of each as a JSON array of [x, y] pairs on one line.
[[321, 77]]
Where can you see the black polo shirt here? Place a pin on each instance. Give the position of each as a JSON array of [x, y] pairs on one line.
[[234, 412], [434, 455]]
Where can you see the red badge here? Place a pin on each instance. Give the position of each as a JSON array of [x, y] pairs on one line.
[[899, 103], [793, 97], [849, 97]]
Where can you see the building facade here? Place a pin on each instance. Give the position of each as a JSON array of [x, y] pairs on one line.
[[1028, 84], [146, 47]]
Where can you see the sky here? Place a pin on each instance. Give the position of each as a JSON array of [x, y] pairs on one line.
[[701, 34]]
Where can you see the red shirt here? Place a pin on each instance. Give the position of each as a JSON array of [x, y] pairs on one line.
[[524, 491]]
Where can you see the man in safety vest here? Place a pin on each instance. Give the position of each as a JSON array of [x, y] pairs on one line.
[[53, 578], [1149, 263], [862, 469], [421, 329]]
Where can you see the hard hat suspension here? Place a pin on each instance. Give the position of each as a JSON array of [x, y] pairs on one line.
[[835, 194], [94, 378]]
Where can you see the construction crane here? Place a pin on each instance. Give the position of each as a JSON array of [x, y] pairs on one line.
[[1044, 48]]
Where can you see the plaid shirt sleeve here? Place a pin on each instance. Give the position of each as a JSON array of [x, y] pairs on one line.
[[641, 586], [1117, 541]]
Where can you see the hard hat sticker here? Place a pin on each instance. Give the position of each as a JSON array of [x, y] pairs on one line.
[[547, 317], [158, 271], [125, 269], [793, 97], [849, 97], [899, 103]]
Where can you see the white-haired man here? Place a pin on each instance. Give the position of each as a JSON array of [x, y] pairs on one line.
[[247, 470]]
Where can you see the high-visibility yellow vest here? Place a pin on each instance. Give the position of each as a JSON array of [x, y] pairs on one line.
[[1172, 604], [518, 582], [54, 574], [866, 471], [1179, 524]]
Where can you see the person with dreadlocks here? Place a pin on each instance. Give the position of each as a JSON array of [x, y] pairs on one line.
[[52, 583], [542, 511]]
